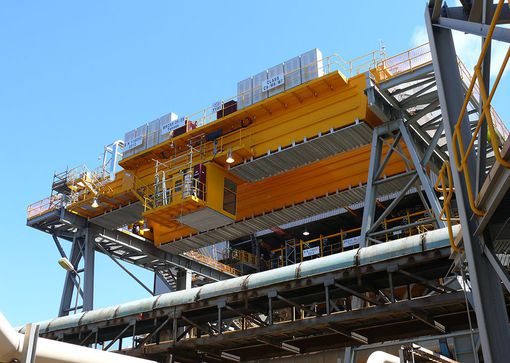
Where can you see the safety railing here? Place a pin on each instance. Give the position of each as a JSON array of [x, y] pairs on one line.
[[499, 125], [223, 107], [44, 206], [238, 139], [336, 242], [85, 183], [444, 185], [460, 153], [243, 256], [294, 77], [144, 193], [212, 262], [172, 191], [401, 63], [420, 56]]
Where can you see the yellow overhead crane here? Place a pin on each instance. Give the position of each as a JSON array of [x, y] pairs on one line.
[[245, 164]]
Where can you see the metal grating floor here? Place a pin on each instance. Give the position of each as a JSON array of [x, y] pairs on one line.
[[119, 217], [305, 152], [278, 217]]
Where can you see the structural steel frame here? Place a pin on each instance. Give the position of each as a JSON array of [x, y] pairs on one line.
[[488, 298], [86, 238], [232, 326]]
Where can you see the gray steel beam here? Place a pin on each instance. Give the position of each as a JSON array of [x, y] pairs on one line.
[[59, 247], [501, 34], [70, 281], [88, 271], [183, 279], [146, 247], [425, 182], [377, 167], [481, 159], [457, 12], [407, 77], [489, 306], [370, 195], [126, 270]]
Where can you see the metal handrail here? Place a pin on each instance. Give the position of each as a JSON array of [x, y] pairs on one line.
[[212, 262], [404, 62], [344, 233], [445, 187], [328, 64], [45, 205], [460, 155]]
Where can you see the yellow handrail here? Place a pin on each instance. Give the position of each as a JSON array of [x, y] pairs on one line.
[[447, 191], [45, 205], [460, 155], [343, 233], [403, 62]]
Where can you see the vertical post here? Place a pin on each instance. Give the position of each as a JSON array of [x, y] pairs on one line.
[[133, 343], [30, 343], [220, 305], [174, 330], [482, 135], [392, 289], [184, 279], [489, 304], [270, 297], [326, 293], [369, 210], [70, 281], [349, 355], [270, 309], [88, 271]]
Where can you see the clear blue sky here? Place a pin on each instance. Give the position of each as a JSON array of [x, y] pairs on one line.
[[75, 76]]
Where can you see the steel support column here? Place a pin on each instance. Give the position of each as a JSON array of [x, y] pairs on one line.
[[184, 279], [481, 157], [488, 298], [88, 271], [70, 282], [416, 177]]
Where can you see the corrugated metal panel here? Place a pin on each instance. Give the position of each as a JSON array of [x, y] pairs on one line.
[[244, 93], [306, 152], [285, 215], [257, 93], [162, 121], [131, 135], [292, 69], [311, 65], [205, 219], [153, 133], [272, 72]]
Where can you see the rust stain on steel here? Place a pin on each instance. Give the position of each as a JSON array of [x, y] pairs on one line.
[[116, 311], [423, 239], [244, 284], [197, 296], [156, 302], [298, 270]]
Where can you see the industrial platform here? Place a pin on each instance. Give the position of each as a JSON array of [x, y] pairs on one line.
[[351, 207]]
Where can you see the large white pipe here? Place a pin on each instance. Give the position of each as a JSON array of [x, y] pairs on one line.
[[382, 357], [52, 351]]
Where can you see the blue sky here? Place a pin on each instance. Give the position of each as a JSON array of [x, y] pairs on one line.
[[75, 76]]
